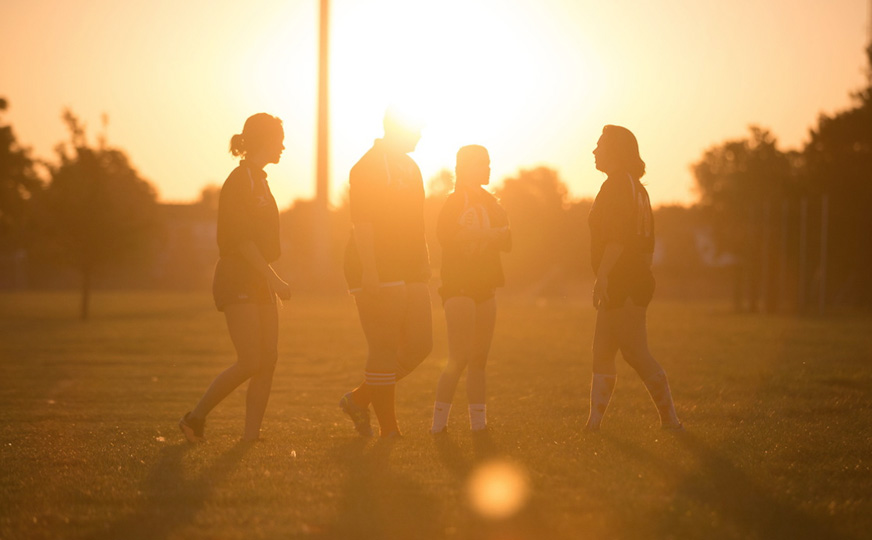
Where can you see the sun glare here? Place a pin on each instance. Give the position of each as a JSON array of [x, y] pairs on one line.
[[498, 489], [471, 72]]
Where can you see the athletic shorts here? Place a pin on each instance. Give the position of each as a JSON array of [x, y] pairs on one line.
[[640, 291], [237, 282], [478, 294]]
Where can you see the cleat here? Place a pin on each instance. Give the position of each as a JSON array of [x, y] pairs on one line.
[[192, 428], [358, 415]]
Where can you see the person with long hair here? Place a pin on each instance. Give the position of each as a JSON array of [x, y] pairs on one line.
[[473, 229], [387, 267], [622, 246], [245, 286]]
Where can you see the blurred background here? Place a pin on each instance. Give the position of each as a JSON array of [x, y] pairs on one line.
[[754, 119]]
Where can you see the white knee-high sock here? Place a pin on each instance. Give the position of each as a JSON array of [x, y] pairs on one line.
[[477, 416], [658, 388], [441, 410], [601, 388]]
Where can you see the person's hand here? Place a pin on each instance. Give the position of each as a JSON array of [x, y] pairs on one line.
[[281, 288], [600, 293]]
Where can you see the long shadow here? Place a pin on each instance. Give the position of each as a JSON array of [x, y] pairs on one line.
[[170, 500], [743, 508], [379, 503]]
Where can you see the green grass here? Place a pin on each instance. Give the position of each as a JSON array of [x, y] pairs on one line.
[[778, 411]]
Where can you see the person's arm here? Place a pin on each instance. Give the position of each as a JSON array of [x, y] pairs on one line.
[[252, 255], [600, 287], [617, 205], [365, 244]]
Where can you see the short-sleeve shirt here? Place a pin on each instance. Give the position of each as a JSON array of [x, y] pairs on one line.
[[387, 191], [621, 214], [469, 265], [247, 211]]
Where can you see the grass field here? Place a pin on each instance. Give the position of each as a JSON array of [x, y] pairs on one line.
[[778, 443]]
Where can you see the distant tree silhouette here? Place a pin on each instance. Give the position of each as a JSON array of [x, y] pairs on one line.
[[838, 159], [740, 183], [18, 183], [96, 210], [543, 239]]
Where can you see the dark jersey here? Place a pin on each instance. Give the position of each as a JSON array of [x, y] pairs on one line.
[[247, 211], [469, 264], [621, 214], [387, 191]]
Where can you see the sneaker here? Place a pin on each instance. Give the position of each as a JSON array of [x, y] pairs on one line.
[[358, 415], [192, 428]]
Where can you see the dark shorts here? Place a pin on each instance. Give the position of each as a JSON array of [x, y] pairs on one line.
[[237, 282], [478, 294], [640, 291]]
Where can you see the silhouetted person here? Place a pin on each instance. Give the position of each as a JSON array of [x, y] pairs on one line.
[[622, 244], [387, 267], [473, 229], [245, 286]]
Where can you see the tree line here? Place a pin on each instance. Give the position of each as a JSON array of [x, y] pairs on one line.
[[789, 229], [798, 222]]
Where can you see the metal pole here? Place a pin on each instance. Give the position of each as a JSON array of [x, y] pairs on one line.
[[321, 219], [825, 211], [322, 184], [803, 251]]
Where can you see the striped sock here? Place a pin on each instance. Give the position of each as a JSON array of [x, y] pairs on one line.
[[658, 388], [477, 416], [601, 388], [382, 391], [441, 410]]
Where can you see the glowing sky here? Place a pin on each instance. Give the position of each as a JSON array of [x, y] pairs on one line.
[[534, 81]]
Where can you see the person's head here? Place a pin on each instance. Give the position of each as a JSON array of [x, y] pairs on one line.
[[617, 152], [402, 132], [262, 139], [473, 166]]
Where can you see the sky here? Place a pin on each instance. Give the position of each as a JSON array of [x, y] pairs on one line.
[[532, 80]]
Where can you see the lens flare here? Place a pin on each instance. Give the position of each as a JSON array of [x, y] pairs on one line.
[[498, 489]]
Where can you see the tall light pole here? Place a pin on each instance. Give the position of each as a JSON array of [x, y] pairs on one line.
[[321, 223], [322, 196]]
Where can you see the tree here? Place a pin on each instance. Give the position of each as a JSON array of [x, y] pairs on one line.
[[740, 183], [96, 209], [544, 242], [839, 167], [18, 183]]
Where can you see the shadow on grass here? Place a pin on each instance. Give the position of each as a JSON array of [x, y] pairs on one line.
[[377, 502], [171, 497], [719, 500]]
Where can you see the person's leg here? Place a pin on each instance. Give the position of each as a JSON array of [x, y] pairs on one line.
[[243, 322], [381, 317], [416, 341], [460, 327], [261, 382], [605, 347], [633, 337], [476, 386]]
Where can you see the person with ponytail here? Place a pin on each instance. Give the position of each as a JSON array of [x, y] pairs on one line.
[[245, 286], [622, 246], [473, 230]]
